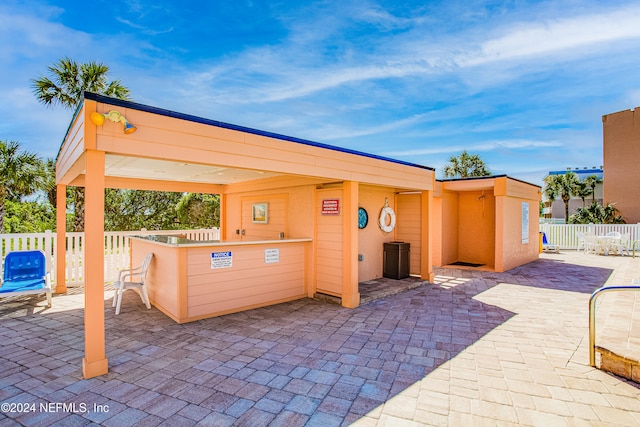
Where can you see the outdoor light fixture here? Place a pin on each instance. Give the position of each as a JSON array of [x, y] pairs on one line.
[[114, 116]]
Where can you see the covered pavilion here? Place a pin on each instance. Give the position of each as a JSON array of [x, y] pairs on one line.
[[298, 218]]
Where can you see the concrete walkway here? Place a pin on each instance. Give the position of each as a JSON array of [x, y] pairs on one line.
[[475, 348]]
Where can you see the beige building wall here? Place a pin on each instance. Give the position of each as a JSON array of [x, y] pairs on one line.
[[621, 151]]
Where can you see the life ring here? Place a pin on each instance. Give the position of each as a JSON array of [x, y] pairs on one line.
[[387, 211]]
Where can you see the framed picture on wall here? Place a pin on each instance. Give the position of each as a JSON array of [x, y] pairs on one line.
[[260, 213]]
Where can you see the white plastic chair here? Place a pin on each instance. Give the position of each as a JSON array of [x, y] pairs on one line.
[[580, 235], [622, 245], [591, 244], [611, 241], [121, 285]]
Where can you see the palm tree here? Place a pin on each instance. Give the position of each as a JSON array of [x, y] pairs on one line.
[[612, 215], [21, 174], [592, 181], [550, 192], [69, 80], [465, 165], [596, 214], [49, 184], [565, 186], [583, 190]]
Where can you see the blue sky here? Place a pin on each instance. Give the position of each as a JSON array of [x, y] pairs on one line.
[[524, 84]]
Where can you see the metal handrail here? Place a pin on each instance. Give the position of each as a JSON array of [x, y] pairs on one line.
[[592, 315]]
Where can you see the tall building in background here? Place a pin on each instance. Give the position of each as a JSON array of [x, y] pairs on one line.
[[621, 151]]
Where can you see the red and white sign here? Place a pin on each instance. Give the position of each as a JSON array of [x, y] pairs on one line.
[[331, 207]]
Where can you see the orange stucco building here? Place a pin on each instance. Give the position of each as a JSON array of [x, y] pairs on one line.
[[292, 214], [621, 152], [491, 222]]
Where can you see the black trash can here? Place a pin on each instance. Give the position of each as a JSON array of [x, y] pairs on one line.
[[396, 260]]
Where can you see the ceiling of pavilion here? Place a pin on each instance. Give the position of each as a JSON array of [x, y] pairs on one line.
[[144, 168]]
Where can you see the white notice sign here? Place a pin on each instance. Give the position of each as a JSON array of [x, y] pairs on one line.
[[525, 223], [271, 256], [221, 260]]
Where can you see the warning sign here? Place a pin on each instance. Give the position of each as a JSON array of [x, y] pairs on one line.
[[221, 260], [331, 207]]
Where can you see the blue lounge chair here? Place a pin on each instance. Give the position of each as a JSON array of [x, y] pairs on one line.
[[548, 247], [25, 273]]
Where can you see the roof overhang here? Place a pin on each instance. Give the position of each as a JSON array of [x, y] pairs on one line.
[[500, 185], [190, 151]]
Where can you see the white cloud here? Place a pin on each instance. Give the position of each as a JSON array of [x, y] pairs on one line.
[[332, 132], [518, 144], [144, 29], [292, 70], [31, 36], [376, 15], [555, 36]]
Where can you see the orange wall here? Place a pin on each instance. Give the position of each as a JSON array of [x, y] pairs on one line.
[[294, 210], [514, 252], [621, 150], [182, 284], [291, 210], [409, 227], [449, 239], [250, 282], [277, 216], [73, 150], [328, 246], [436, 230], [476, 227], [163, 276], [371, 239], [510, 251], [487, 230]]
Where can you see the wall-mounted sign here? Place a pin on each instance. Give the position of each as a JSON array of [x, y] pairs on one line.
[[525, 223], [330, 207], [271, 256], [221, 260]]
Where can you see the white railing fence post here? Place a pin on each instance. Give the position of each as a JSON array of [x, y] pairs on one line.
[[49, 244]]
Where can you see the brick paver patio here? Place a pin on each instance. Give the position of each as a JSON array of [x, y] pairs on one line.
[[474, 348]]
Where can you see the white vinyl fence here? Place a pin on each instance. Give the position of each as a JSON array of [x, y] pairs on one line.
[[116, 249], [565, 235]]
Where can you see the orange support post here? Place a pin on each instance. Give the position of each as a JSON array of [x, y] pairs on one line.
[[61, 239], [95, 360]]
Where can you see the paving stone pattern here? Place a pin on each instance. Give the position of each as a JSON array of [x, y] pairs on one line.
[[474, 348]]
